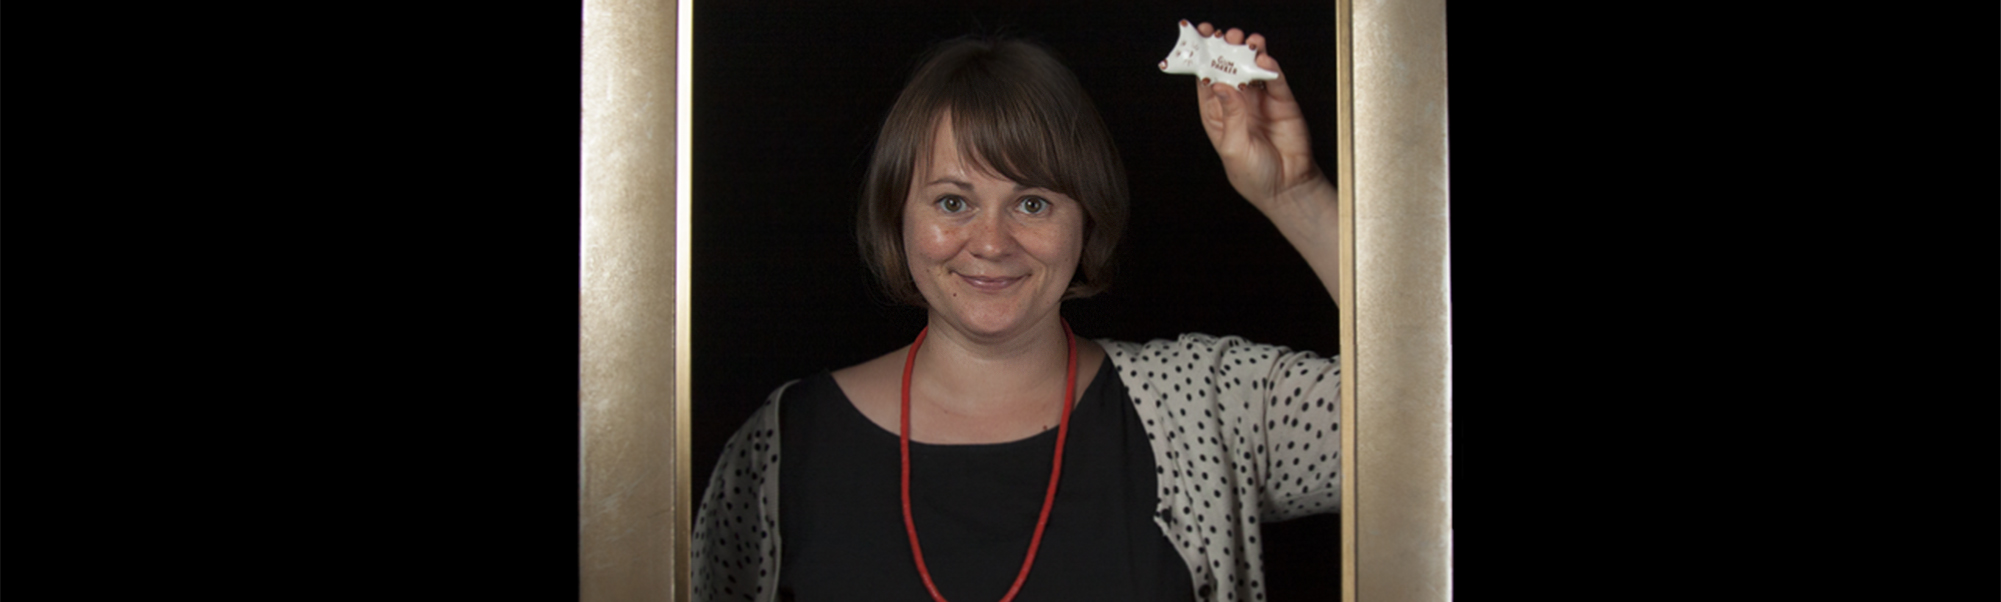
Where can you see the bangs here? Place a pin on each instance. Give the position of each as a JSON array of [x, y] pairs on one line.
[[1009, 129]]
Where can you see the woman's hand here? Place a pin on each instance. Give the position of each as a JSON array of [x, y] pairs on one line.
[[1260, 134]]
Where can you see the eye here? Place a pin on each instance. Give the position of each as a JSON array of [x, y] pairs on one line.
[[952, 203], [1034, 205]]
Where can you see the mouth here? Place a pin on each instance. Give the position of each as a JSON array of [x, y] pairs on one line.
[[988, 284]]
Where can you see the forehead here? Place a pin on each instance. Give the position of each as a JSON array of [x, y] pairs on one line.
[[945, 154]]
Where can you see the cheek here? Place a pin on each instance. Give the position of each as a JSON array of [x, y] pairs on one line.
[[1076, 239], [927, 243], [1062, 248]]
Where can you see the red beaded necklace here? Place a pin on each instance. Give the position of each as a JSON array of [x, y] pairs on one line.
[[1055, 469]]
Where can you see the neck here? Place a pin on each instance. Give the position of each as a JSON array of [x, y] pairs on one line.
[[975, 378]]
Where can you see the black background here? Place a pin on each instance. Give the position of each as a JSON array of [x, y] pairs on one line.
[[788, 102], [1722, 288]]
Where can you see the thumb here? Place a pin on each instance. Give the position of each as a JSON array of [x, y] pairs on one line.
[[1232, 101], [1234, 112]]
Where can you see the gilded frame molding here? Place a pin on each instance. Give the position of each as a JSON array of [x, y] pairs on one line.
[[1397, 505], [634, 495]]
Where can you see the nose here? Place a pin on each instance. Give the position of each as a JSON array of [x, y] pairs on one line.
[[992, 236]]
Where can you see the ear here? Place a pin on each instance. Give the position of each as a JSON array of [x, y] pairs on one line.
[[1188, 35], [1181, 60]]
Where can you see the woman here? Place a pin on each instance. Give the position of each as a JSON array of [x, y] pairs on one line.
[[998, 455]]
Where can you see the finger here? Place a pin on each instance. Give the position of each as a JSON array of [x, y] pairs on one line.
[[1252, 95], [1206, 99], [1234, 117], [1235, 36], [1256, 42], [1230, 99], [1277, 87], [1209, 108], [1205, 29]]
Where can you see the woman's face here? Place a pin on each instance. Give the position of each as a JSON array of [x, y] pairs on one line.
[[992, 258]]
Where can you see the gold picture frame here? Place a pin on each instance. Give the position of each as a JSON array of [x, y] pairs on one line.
[[635, 498]]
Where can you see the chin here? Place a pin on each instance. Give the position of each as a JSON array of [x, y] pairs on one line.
[[988, 324]]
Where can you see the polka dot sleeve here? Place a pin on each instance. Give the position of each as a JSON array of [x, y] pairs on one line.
[[734, 552], [1242, 434]]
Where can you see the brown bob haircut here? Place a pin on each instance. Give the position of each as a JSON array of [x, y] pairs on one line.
[[1016, 110]]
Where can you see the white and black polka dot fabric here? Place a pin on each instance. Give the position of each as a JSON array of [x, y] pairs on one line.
[[1242, 434], [734, 555]]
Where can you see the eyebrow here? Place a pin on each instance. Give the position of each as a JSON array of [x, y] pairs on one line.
[[967, 186]]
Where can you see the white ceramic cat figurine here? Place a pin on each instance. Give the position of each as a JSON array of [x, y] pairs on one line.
[[1213, 58]]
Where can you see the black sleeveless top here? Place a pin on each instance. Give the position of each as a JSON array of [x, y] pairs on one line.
[[975, 506]]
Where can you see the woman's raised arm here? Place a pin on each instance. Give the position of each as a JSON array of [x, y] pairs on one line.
[[1261, 136]]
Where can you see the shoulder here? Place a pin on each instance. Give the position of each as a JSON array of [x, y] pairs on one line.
[[1185, 365], [1194, 349], [1199, 368], [753, 449], [873, 386], [750, 457]]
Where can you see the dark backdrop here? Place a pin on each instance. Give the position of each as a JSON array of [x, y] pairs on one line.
[[787, 103]]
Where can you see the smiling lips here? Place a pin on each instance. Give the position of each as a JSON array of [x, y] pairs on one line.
[[988, 284]]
